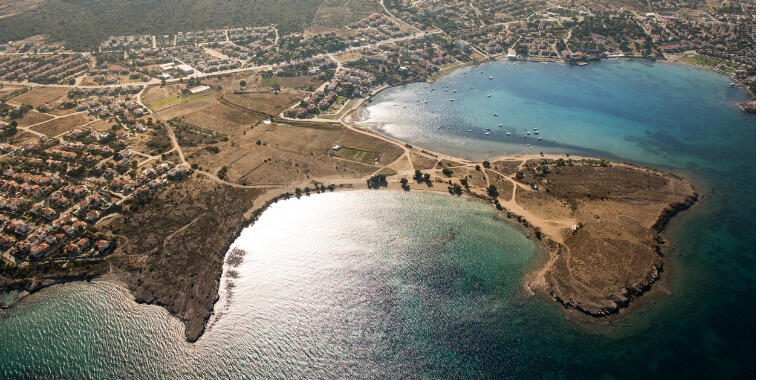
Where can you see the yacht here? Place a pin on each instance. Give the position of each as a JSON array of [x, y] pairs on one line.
[[501, 125], [487, 133], [508, 134], [490, 77], [451, 100]]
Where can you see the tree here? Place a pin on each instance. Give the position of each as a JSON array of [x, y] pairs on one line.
[[243, 83], [486, 164], [492, 191], [447, 172]]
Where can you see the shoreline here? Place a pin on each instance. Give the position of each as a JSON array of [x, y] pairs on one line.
[[251, 217], [533, 280]]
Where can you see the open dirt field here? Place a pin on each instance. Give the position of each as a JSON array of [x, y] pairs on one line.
[[283, 154], [41, 95], [614, 254], [63, 124], [266, 102], [175, 246], [33, 117]]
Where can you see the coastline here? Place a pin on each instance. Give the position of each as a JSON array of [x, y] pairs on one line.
[[253, 216]]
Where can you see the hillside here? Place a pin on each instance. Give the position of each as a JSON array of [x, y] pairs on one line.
[[82, 24]]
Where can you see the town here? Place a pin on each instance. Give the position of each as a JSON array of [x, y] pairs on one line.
[[79, 144]]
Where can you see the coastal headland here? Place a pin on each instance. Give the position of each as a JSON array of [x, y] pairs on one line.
[[600, 221]]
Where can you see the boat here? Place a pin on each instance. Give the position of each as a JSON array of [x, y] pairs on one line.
[[527, 144], [490, 77], [501, 125], [488, 129], [496, 114], [732, 84], [487, 133], [535, 133], [451, 100], [508, 134], [469, 130], [489, 95], [425, 102], [481, 72], [455, 91], [539, 139]]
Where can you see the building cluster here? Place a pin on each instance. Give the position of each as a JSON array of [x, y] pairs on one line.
[[377, 27], [421, 51], [254, 39], [108, 103], [306, 67], [535, 39], [197, 58], [136, 42], [448, 16], [346, 83], [200, 37], [48, 68], [31, 46], [296, 48], [607, 33]]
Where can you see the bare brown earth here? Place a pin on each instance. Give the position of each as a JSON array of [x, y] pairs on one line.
[[616, 252], [64, 124], [170, 249], [174, 247]]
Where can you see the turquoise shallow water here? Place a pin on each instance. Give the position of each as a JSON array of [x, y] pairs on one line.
[[374, 284]]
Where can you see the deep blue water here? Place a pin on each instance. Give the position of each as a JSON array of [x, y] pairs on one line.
[[392, 284]]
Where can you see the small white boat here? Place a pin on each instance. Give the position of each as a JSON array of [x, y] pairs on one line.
[[535, 133], [489, 95], [501, 125], [469, 130], [527, 144], [455, 91], [539, 139], [451, 100], [490, 77], [487, 133], [488, 129], [508, 134], [496, 114]]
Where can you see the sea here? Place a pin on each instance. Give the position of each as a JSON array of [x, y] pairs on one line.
[[391, 284]]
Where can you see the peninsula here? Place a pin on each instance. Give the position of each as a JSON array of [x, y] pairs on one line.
[[143, 156]]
